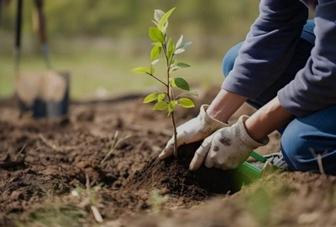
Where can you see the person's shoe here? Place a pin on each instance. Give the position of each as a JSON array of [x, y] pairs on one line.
[[277, 160]]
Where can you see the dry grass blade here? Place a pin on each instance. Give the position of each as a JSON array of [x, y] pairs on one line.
[[54, 146], [115, 141]]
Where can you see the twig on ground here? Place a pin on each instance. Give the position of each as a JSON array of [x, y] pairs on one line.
[[319, 161], [54, 146], [20, 151], [87, 182], [96, 214]]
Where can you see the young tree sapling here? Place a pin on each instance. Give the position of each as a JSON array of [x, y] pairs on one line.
[[163, 47]]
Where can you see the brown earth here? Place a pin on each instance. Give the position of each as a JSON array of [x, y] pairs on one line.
[[109, 149]]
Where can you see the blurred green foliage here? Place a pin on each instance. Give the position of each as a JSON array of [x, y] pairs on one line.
[[129, 18], [114, 17], [98, 41]]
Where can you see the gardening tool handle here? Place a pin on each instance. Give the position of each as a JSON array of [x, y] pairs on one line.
[[40, 22], [1, 9], [40, 27], [18, 23], [258, 157], [18, 34], [250, 172]]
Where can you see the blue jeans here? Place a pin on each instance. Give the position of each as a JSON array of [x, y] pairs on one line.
[[304, 139]]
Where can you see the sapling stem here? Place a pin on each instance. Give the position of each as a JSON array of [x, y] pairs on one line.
[[175, 133], [170, 92], [164, 46]]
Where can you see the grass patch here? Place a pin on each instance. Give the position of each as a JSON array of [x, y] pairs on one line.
[[73, 210], [54, 214]]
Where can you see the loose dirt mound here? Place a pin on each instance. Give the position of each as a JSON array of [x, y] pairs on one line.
[[174, 177]]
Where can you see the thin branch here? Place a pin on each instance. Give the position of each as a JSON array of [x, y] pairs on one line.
[[154, 77]]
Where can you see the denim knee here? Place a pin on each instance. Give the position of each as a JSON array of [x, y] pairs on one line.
[[230, 58], [303, 142], [291, 143]]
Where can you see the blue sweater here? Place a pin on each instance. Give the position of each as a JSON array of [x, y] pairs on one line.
[[269, 48]]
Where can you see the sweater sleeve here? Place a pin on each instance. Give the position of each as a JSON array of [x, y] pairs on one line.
[[314, 86], [268, 48]]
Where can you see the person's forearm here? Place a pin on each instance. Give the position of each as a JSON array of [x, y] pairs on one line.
[[270, 117], [224, 105]]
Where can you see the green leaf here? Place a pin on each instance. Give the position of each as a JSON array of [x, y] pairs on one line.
[[161, 97], [155, 34], [183, 65], [181, 46], [151, 97], [155, 61], [161, 105], [187, 44], [181, 83], [186, 103], [172, 106], [155, 52], [157, 44], [172, 83], [179, 51], [179, 43], [142, 70], [158, 15], [163, 22], [171, 49]]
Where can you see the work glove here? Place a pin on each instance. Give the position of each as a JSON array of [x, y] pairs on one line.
[[193, 130], [226, 148]]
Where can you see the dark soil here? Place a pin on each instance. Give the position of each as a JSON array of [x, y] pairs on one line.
[[113, 145], [173, 174], [39, 159]]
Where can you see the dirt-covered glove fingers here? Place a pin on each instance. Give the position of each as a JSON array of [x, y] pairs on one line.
[[193, 130], [231, 146], [169, 149], [200, 154]]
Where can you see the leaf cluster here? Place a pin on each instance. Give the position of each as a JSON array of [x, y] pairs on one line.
[[164, 47]]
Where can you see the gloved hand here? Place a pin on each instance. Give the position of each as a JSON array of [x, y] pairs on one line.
[[227, 148], [193, 130]]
